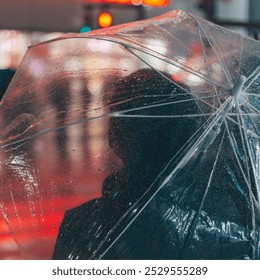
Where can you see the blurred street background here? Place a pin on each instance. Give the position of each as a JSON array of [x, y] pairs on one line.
[[27, 22]]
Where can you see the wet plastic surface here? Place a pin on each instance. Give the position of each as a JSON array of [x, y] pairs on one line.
[[135, 142]]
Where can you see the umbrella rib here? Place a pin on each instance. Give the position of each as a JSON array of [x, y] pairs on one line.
[[245, 114], [249, 116], [175, 170], [4, 144], [250, 155], [215, 51], [176, 64], [251, 195], [207, 62], [253, 124], [209, 95], [238, 112], [118, 102], [171, 81], [173, 94], [158, 105], [157, 71], [163, 104], [169, 96], [257, 200], [254, 75], [163, 95], [250, 105], [135, 205], [164, 58], [193, 148], [161, 117], [196, 218], [204, 134], [234, 151], [43, 131], [171, 35], [196, 101], [240, 52], [174, 37], [253, 94], [212, 124], [246, 130]]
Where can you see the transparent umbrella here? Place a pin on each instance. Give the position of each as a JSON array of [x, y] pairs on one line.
[[136, 142]]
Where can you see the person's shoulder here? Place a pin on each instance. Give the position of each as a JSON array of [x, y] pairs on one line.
[[83, 209]]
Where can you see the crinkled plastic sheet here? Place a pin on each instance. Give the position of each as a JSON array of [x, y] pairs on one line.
[[135, 142]]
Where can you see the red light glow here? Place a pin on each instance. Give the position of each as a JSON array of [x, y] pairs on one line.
[[155, 3]]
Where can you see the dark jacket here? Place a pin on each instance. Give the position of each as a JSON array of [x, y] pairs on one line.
[[147, 211]]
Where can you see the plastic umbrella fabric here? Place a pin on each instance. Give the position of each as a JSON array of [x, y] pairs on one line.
[[146, 135]]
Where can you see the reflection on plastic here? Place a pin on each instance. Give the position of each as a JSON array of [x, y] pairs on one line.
[[144, 146]]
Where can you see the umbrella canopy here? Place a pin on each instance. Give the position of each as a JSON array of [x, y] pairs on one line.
[[146, 135]]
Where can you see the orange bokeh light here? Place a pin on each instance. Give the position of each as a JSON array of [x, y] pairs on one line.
[[157, 3], [105, 19]]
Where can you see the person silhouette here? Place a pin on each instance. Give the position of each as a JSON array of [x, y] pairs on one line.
[[145, 137]]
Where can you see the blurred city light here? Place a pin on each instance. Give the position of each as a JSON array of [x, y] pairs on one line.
[[155, 3], [105, 19], [85, 28]]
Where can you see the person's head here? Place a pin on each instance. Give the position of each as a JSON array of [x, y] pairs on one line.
[[142, 131]]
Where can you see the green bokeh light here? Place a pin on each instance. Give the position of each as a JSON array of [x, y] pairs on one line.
[[85, 28]]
